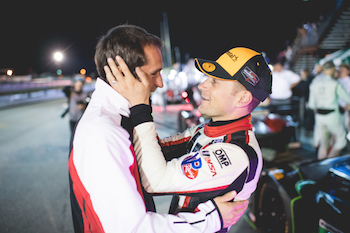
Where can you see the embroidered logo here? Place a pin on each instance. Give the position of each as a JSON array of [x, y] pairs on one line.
[[190, 166], [209, 67], [232, 56], [250, 76], [222, 158], [206, 156]]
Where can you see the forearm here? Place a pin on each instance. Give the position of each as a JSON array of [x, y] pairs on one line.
[[156, 173], [208, 219], [151, 162]]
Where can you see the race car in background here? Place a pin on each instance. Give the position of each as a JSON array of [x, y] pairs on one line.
[[305, 196]]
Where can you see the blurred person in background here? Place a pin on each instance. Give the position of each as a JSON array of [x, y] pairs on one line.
[[344, 79], [282, 84], [77, 102], [325, 93], [301, 90]]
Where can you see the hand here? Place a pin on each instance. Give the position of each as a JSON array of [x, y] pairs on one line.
[[81, 106], [231, 212], [347, 107], [124, 82]]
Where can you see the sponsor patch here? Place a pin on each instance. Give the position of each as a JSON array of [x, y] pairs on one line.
[[209, 67], [250, 76], [216, 141], [222, 158], [190, 166], [206, 156], [197, 147]]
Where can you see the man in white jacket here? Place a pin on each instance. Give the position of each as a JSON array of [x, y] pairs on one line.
[[106, 194]]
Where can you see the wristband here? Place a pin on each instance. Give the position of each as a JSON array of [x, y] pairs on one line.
[[140, 114]]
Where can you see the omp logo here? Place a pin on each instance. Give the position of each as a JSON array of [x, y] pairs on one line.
[[250, 76], [222, 158]]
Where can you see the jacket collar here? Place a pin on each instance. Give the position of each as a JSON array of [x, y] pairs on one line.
[[111, 100], [219, 128]]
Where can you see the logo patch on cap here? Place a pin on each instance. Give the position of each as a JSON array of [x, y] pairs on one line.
[[209, 67], [250, 76]]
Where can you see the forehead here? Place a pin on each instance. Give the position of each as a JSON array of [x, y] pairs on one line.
[[154, 57], [229, 83]]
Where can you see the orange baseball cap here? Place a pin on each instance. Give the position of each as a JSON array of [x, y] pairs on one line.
[[243, 65]]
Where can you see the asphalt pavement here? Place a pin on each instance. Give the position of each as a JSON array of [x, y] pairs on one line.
[[34, 143]]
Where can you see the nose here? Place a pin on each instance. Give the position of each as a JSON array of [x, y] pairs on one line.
[[158, 82], [202, 86]]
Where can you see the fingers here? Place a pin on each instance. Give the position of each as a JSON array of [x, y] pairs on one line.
[[110, 77], [230, 211], [241, 206], [228, 196], [239, 209], [142, 76], [123, 66], [123, 81]]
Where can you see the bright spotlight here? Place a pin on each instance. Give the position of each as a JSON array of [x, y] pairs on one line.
[[9, 72], [58, 56]]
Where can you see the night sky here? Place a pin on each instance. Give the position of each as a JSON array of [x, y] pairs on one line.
[[31, 32]]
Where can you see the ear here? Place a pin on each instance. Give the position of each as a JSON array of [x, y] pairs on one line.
[[245, 99]]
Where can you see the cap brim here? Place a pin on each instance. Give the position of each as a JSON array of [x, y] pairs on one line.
[[212, 69]]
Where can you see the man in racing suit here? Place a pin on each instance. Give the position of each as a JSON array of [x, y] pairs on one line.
[[210, 159]]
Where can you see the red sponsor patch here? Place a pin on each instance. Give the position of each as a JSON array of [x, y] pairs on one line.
[[189, 171], [190, 166]]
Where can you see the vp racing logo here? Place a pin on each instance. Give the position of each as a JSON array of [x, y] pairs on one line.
[[190, 166]]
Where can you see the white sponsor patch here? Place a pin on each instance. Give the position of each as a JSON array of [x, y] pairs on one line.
[[250, 76]]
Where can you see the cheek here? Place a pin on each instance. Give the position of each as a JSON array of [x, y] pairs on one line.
[[153, 87], [224, 100]]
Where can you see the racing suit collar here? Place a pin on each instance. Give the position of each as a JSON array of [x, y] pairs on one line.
[[111, 100], [219, 128]]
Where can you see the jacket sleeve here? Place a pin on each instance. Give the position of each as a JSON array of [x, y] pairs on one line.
[[210, 169], [176, 145], [312, 101], [107, 193], [342, 93]]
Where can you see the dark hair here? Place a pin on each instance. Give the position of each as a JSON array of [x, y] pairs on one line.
[[346, 66], [127, 41]]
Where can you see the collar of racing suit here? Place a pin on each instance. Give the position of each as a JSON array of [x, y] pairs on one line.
[[112, 101], [219, 128]]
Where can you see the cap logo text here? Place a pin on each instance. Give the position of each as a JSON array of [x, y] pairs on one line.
[[209, 67], [250, 76], [232, 56]]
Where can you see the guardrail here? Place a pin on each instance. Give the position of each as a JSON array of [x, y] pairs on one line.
[[33, 86], [15, 93]]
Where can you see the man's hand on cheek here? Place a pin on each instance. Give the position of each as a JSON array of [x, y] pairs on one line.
[[123, 81]]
